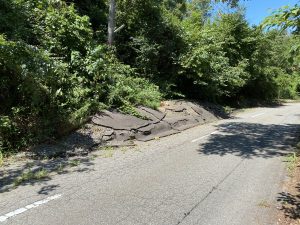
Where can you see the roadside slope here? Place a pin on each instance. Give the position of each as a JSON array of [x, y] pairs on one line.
[[113, 128]]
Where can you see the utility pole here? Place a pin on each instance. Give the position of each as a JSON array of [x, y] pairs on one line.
[[111, 22]]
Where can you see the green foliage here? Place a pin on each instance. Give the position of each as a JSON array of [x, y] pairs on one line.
[[96, 10], [146, 55], [214, 61], [8, 132], [134, 91], [288, 86], [56, 69], [268, 71], [31, 98], [62, 30], [15, 20], [120, 85], [1, 159], [30, 176], [286, 17], [52, 88], [151, 41]]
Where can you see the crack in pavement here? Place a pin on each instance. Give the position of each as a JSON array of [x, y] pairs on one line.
[[186, 214]]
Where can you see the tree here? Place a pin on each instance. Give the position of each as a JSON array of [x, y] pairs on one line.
[[111, 21], [285, 18], [96, 10]]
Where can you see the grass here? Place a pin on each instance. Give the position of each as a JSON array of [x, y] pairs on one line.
[[74, 162], [60, 167], [292, 159], [42, 173], [124, 150], [106, 148], [228, 110], [1, 159], [93, 157], [31, 175], [108, 154], [264, 204], [108, 151]]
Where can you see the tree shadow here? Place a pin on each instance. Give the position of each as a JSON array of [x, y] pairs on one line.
[[250, 140], [48, 189], [290, 203], [216, 110], [254, 103], [24, 173]]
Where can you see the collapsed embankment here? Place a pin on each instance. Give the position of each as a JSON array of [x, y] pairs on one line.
[[117, 129]]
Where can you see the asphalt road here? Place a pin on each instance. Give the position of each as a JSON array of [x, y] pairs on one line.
[[225, 173]]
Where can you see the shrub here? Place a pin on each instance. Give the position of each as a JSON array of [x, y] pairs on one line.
[[288, 86], [117, 84]]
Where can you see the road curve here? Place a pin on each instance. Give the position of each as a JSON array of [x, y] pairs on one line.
[[225, 173]]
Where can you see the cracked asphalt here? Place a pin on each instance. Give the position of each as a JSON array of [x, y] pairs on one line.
[[228, 172]]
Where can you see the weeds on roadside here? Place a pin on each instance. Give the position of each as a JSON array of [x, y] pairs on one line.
[[60, 167], [264, 204], [31, 175], [1, 159], [108, 151], [74, 162], [293, 158], [108, 154], [228, 110]]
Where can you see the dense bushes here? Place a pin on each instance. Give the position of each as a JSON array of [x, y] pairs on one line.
[[48, 88], [56, 69], [212, 61]]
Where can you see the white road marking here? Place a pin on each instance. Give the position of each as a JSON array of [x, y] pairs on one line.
[[200, 138], [260, 114], [3, 218], [24, 209]]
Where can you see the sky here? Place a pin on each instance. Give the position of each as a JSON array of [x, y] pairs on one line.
[[257, 10]]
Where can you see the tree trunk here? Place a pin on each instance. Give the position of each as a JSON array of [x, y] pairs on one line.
[[111, 21]]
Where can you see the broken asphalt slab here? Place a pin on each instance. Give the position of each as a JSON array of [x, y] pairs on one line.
[[109, 127]]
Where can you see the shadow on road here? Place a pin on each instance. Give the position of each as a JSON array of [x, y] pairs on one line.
[[290, 203], [250, 140], [27, 173], [9, 177]]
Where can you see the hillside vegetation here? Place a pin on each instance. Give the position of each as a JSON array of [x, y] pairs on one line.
[[56, 67]]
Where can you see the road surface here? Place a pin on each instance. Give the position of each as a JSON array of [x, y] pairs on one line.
[[225, 173]]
